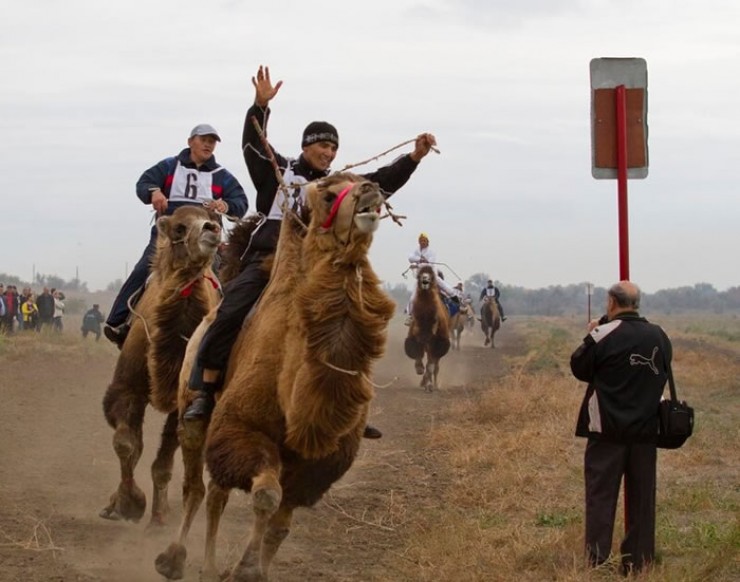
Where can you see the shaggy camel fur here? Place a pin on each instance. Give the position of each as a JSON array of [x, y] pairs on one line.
[[181, 290], [293, 409], [490, 320], [458, 322], [429, 333]]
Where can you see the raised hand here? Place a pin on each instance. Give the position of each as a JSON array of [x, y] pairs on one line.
[[263, 88]]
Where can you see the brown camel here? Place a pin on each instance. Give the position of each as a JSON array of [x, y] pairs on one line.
[[429, 333], [292, 412], [490, 320], [458, 321], [182, 288]]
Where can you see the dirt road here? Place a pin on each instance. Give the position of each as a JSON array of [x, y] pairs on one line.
[[57, 469]]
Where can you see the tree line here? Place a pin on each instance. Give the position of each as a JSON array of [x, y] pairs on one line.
[[559, 300], [554, 300]]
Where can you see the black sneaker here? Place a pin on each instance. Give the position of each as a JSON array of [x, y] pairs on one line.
[[201, 407], [371, 432], [118, 334]]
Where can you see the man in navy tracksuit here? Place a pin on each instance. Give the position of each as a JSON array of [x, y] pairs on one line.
[[191, 177], [625, 360], [319, 148]]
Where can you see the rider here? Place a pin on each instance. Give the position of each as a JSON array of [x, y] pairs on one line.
[[491, 291], [319, 146], [424, 254]]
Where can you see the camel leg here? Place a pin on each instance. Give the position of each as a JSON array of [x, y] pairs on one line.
[[277, 530], [266, 497], [216, 502], [162, 470], [419, 365], [435, 373], [126, 415], [171, 562]]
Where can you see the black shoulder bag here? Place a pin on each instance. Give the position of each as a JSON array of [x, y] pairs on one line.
[[675, 419]]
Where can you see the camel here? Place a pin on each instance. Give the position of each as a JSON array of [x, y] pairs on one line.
[[181, 289], [429, 332], [458, 321], [289, 420], [490, 320]]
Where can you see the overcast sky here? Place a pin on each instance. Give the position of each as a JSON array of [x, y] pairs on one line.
[[96, 92]]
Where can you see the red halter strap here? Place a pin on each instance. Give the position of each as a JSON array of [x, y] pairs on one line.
[[188, 289], [335, 206]]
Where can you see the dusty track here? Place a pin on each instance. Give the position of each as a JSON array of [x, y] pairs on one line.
[[57, 469]]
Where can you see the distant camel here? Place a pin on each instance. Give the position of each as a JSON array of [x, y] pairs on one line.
[[490, 320], [181, 290], [429, 333], [290, 419], [458, 322]]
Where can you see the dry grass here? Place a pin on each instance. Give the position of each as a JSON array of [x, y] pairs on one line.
[[514, 506]]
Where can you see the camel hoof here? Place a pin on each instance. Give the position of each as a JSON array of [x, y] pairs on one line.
[[110, 513], [485, 343], [419, 368], [171, 562]]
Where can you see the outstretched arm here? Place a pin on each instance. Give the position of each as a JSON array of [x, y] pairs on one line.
[[257, 159], [393, 176]]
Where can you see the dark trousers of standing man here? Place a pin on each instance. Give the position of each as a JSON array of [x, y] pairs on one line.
[[240, 295], [604, 465]]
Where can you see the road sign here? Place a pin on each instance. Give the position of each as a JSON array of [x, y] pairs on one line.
[[609, 76]]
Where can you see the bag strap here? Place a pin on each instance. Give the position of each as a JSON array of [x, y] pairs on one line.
[[671, 384]]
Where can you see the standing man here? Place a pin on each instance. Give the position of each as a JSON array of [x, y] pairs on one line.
[[191, 178], [319, 145], [45, 307], [625, 360], [493, 292]]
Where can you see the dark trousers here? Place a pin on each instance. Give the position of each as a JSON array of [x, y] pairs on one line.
[[604, 466], [119, 311], [240, 295]]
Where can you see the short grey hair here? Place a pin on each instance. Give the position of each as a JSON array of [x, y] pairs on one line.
[[625, 297]]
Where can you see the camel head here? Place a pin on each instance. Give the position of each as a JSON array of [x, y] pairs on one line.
[[345, 209], [189, 236], [425, 278]]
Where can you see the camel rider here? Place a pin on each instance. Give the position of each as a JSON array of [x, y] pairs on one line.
[[492, 292], [191, 178], [424, 254], [319, 148]]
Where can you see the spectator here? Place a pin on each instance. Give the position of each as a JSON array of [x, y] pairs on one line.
[[319, 145], [10, 308], [31, 320], [58, 311], [625, 360], [191, 177], [21, 300], [91, 322], [2, 305], [45, 308]]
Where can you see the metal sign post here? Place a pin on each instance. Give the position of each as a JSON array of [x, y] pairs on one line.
[[619, 133]]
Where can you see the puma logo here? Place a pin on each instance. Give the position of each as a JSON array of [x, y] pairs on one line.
[[638, 360]]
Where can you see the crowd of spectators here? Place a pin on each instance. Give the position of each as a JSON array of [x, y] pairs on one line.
[[28, 311]]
